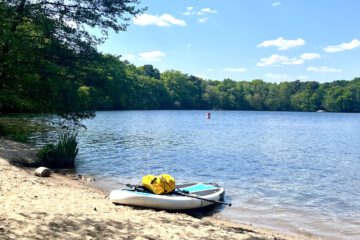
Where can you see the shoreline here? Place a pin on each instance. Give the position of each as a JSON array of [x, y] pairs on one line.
[[62, 207]]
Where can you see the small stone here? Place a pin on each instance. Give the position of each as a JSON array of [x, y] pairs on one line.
[[89, 179], [42, 172]]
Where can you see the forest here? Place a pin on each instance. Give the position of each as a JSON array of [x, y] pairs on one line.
[[49, 63]]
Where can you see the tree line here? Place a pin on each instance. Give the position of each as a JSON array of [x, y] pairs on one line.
[[49, 64], [146, 88]]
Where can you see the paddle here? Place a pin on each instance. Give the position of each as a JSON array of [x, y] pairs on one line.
[[136, 188], [187, 194]]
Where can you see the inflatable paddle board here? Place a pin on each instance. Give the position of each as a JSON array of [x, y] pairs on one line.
[[186, 196]]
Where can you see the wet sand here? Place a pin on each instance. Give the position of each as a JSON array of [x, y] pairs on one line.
[[63, 207]]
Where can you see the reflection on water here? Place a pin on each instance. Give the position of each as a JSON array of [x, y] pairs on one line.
[[297, 172]]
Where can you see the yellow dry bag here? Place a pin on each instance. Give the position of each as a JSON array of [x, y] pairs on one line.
[[161, 184]]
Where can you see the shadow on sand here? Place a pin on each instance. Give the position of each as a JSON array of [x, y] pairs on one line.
[[80, 227], [18, 154]]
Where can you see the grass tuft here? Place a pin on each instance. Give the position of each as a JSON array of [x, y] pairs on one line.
[[61, 155]]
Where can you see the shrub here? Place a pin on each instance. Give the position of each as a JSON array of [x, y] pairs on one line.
[[61, 155]]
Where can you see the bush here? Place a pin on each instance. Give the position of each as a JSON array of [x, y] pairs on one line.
[[61, 155]]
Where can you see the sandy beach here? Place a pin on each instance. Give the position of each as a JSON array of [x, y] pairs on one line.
[[64, 207]]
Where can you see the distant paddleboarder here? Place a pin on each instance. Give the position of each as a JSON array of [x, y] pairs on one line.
[[208, 115]]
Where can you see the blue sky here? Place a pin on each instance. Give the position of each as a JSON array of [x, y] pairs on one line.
[[275, 41]]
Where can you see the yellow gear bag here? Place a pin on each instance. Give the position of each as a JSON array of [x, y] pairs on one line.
[[161, 184]]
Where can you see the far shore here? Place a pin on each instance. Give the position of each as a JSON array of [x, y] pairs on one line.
[[63, 207]]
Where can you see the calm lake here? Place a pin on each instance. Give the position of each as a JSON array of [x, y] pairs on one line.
[[289, 171]]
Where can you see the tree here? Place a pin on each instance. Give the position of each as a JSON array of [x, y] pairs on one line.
[[211, 96], [150, 71], [45, 48], [185, 91], [74, 15], [338, 99], [307, 98], [257, 94]]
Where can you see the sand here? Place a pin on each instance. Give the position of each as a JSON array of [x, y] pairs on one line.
[[62, 207]]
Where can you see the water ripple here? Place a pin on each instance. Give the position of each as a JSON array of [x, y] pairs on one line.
[[295, 171]]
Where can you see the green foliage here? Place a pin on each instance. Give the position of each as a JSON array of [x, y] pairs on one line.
[[50, 65], [150, 71], [116, 85], [185, 92], [45, 53], [61, 155]]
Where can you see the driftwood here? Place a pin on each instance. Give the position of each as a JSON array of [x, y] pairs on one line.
[[42, 172]]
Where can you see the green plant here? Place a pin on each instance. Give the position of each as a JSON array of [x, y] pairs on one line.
[[61, 155]]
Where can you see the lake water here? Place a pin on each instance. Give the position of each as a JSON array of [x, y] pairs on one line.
[[289, 171]]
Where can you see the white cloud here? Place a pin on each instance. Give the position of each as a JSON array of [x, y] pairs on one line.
[[277, 59], [240, 69], [282, 44], [309, 56], [189, 11], [203, 20], [204, 11], [153, 56], [343, 46], [276, 4], [165, 20], [323, 69], [209, 70]]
